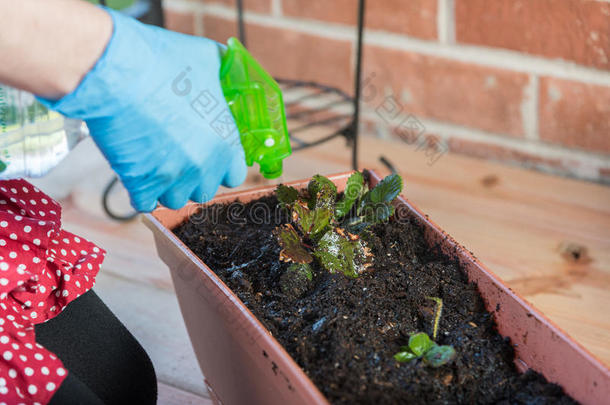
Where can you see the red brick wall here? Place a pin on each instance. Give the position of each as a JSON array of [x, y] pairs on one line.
[[523, 82]]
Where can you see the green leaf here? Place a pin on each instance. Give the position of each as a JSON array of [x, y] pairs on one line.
[[371, 214], [286, 194], [386, 190], [322, 193], [313, 223], [420, 343], [439, 355], [353, 191], [376, 213], [338, 252], [405, 356], [292, 248]]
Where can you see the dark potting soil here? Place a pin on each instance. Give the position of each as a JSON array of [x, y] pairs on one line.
[[343, 332]]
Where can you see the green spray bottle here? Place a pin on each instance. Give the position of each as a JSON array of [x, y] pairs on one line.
[[255, 100]]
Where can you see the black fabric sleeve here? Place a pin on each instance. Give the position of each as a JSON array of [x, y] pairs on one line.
[[100, 353], [72, 391]]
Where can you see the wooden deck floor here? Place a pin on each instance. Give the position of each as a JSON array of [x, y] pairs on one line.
[[524, 225]]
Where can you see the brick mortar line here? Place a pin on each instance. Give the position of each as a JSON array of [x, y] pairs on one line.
[[484, 56], [198, 25], [529, 109], [181, 5], [276, 8], [445, 21]]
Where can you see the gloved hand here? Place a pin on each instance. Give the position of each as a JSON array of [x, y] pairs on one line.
[[155, 108]]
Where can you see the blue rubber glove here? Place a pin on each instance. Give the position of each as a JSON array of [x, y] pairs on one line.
[[155, 108]]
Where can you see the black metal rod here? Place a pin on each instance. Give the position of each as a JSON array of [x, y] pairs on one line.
[[388, 164], [158, 9], [106, 203], [297, 140], [311, 111], [241, 29], [290, 83], [319, 123], [318, 142], [356, 125]]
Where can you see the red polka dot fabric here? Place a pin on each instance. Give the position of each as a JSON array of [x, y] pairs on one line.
[[42, 269]]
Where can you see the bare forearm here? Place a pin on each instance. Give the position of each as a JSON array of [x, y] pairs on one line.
[[48, 46]]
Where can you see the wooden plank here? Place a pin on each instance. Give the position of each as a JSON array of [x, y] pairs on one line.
[[169, 395]]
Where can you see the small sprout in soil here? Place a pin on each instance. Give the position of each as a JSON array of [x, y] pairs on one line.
[[329, 230], [421, 346], [296, 280], [438, 310]]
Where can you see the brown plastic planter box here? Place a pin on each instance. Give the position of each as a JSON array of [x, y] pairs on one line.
[[244, 364]]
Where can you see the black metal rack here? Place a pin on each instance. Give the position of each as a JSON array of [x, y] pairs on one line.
[[311, 107], [308, 118]]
